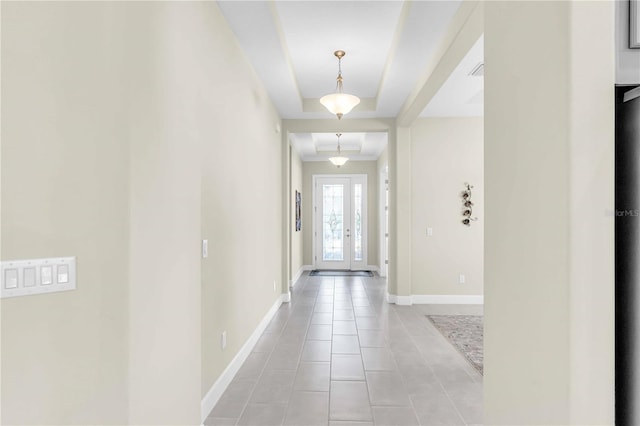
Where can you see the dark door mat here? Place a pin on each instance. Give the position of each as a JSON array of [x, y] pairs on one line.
[[329, 273]]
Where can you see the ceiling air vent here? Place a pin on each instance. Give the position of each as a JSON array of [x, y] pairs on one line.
[[478, 70]]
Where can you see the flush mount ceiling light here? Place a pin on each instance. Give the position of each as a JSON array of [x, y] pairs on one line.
[[339, 160], [339, 103]]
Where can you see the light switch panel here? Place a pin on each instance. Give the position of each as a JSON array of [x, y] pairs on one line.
[[11, 278], [46, 275], [37, 276], [63, 274], [29, 277]]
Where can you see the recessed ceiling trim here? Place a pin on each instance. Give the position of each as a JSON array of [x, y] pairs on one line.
[[332, 125], [285, 48], [393, 49], [330, 152]]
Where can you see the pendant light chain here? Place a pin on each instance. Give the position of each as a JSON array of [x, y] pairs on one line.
[[339, 79]]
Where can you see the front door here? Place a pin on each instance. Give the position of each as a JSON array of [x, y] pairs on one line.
[[340, 222]]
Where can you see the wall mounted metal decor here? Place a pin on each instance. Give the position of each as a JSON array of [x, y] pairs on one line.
[[467, 206]]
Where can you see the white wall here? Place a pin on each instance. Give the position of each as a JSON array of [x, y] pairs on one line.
[[446, 153], [548, 243], [297, 241], [65, 192], [368, 168]]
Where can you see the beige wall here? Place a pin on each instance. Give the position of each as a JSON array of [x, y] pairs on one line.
[[165, 138], [296, 237], [368, 168], [119, 120], [549, 328], [446, 153], [65, 192], [242, 204], [592, 235], [400, 215]]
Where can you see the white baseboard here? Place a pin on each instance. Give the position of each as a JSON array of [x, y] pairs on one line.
[[436, 299], [213, 395], [399, 300], [297, 276], [286, 297]]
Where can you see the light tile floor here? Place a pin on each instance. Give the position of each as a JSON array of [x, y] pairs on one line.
[[339, 354]]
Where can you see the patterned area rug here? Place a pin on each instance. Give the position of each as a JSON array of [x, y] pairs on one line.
[[327, 273], [465, 332]]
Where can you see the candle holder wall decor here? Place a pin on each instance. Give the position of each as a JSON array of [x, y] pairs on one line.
[[467, 206]]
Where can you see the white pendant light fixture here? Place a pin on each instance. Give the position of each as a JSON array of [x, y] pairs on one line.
[[339, 160], [339, 103]]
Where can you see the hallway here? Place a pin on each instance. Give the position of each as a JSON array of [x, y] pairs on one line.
[[340, 354]]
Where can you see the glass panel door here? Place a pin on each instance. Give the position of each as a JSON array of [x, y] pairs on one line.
[[333, 223], [340, 222]]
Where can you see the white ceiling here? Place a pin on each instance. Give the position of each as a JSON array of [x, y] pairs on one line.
[[462, 95], [388, 44]]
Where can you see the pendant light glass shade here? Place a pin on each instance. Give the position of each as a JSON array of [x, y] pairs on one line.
[[339, 103], [338, 160]]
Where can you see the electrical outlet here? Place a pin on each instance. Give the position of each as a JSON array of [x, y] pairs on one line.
[[274, 285], [223, 340], [429, 232], [461, 279]]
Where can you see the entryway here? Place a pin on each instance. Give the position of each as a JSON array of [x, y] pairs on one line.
[[340, 222]]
